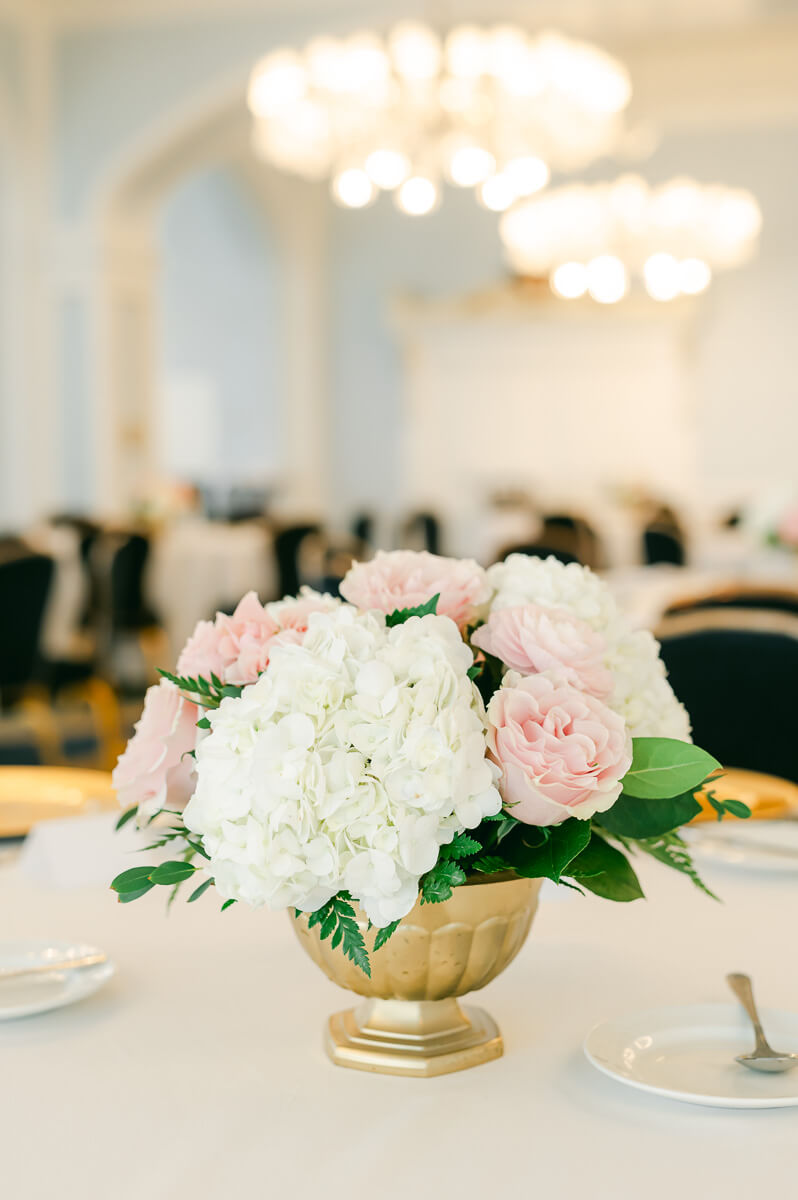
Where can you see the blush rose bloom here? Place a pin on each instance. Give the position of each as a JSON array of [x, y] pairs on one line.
[[236, 648], [788, 527], [532, 639], [562, 753], [155, 770], [407, 578]]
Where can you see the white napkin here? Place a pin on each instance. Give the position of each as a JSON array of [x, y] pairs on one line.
[[80, 851]]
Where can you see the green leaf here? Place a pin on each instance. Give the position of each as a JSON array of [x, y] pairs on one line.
[[733, 808], [506, 824], [127, 815], [461, 847], [197, 847], [169, 873], [132, 880], [400, 615], [200, 891], [337, 920], [384, 934], [490, 864], [671, 850], [665, 767], [127, 897], [475, 671], [203, 723], [605, 871], [536, 853], [438, 883], [635, 817], [227, 904], [737, 809]]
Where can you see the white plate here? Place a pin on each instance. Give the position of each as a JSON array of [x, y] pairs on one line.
[[688, 1054], [39, 993], [767, 846]]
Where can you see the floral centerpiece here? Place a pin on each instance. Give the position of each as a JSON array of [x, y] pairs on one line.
[[353, 760]]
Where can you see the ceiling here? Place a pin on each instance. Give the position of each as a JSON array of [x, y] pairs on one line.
[[617, 20]]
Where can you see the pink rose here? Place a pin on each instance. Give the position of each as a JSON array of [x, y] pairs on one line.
[[532, 639], [788, 527], [408, 578], [563, 753], [153, 772], [237, 648], [234, 648]]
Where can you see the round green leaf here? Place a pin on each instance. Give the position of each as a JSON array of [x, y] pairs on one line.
[[664, 767]]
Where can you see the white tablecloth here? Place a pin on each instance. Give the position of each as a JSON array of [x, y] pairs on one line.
[[199, 1071]]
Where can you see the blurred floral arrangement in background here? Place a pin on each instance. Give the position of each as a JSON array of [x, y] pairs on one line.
[[440, 724]]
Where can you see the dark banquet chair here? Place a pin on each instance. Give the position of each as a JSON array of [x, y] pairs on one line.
[[25, 583], [421, 531], [736, 674], [663, 544], [748, 596], [539, 550], [288, 544], [573, 535]]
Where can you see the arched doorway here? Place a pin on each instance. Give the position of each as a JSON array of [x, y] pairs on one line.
[[212, 140]]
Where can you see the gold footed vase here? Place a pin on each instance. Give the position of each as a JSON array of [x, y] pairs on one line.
[[410, 1022]]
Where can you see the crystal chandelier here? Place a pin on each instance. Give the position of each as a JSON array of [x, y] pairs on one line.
[[596, 239], [491, 109]]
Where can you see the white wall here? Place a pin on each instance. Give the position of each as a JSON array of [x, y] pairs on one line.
[[220, 330]]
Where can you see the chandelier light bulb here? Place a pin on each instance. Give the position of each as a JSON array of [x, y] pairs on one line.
[[417, 196], [387, 168], [527, 173], [673, 237], [277, 82], [415, 50], [466, 52], [695, 276], [479, 103], [661, 277], [352, 188], [471, 165], [606, 279], [569, 280], [498, 193]]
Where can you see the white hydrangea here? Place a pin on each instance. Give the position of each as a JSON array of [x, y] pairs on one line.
[[642, 694], [524, 579], [354, 757]]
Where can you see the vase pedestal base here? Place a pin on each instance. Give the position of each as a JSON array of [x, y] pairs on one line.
[[412, 1037]]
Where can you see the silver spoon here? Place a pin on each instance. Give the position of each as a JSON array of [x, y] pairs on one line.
[[764, 1058]]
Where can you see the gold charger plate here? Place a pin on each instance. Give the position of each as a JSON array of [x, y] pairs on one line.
[[768, 796], [32, 794]]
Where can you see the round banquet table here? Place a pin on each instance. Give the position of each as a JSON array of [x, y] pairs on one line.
[[199, 1071]]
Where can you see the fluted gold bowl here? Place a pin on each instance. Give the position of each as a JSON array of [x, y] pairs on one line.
[[410, 1022]]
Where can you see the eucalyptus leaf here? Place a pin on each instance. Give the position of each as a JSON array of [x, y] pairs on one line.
[[132, 880], [665, 767], [127, 897], [200, 891], [169, 873], [127, 815]]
